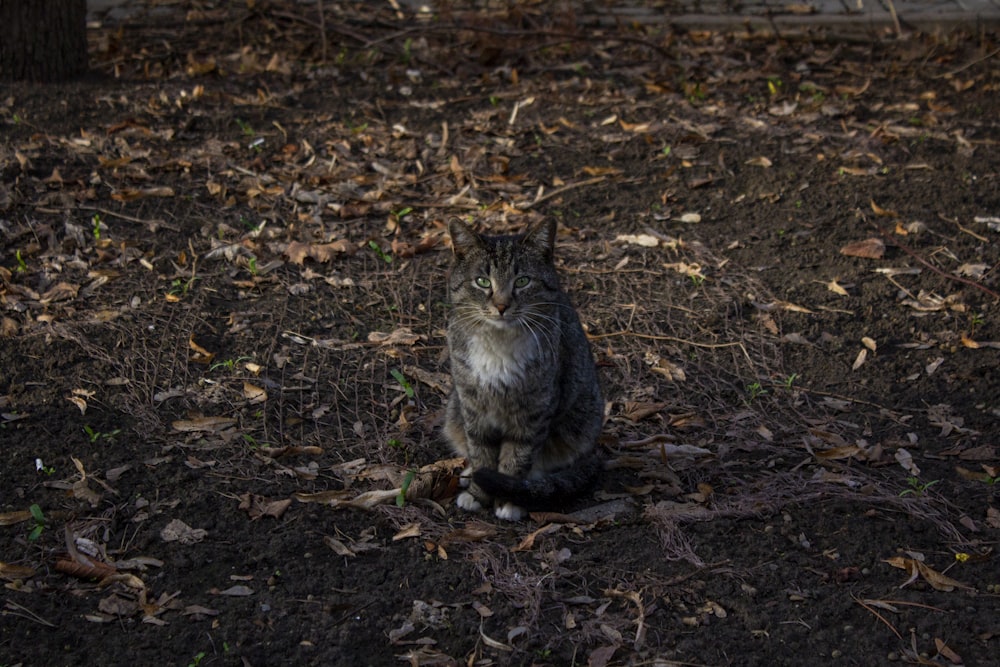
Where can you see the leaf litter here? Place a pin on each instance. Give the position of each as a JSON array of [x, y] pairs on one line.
[[310, 261]]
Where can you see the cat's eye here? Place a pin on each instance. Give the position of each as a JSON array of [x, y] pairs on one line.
[[483, 282], [522, 281]]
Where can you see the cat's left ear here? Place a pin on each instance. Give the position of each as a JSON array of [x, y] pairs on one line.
[[543, 237], [463, 239]]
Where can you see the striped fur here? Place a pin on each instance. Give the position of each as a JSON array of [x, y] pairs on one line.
[[526, 408]]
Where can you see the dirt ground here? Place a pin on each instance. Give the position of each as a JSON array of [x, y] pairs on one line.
[[223, 364]]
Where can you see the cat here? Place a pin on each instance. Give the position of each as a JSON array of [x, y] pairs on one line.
[[525, 408]]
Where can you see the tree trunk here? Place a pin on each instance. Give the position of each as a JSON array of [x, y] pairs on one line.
[[42, 40]]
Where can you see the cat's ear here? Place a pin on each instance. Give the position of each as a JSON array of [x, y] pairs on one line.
[[463, 239], [543, 238]]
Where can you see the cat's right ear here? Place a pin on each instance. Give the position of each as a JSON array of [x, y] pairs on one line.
[[463, 239]]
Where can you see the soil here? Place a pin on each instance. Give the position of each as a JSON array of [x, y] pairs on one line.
[[222, 362]]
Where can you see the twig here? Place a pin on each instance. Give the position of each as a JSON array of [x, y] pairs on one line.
[[930, 266], [24, 612], [968, 65], [878, 616], [152, 224], [559, 191]]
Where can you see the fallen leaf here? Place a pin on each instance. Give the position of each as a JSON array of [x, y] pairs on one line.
[[528, 542], [253, 393], [860, 359], [178, 531], [872, 248], [210, 424], [905, 459]]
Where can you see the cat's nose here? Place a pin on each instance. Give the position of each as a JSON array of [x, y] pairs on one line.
[[501, 307]]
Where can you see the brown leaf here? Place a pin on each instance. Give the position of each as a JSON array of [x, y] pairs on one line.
[[529, 540], [636, 410], [883, 212], [201, 355], [210, 424], [872, 248], [297, 252]]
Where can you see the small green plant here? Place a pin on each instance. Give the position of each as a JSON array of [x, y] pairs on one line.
[[245, 127], [403, 382], [774, 85], [382, 254], [252, 441], [917, 487], [697, 279], [755, 391], [22, 266], [228, 364], [790, 380], [407, 480], [96, 229], [407, 50], [17, 118], [94, 436], [40, 522], [196, 660], [180, 288], [666, 151], [252, 265], [494, 100]]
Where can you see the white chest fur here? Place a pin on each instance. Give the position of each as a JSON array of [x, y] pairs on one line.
[[500, 360]]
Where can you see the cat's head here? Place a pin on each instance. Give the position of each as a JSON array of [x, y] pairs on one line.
[[505, 281]]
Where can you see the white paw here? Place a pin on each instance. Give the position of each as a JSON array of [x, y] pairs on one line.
[[467, 501], [510, 512], [465, 478]]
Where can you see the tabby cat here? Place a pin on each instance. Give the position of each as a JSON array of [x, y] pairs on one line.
[[526, 407]]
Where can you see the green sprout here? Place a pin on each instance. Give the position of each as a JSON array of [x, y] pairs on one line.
[[228, 364], [755, 391], [697, 279], [252, 265], [494, 100], [917, 487], [774, 84], [790, 380], [22, 266], [196, 660], [39, 517], [382, 254], [403, 382], [666, 151], [180, 287], [245, 127], [94, 436], [407, 480], [407, 50], [96, 230]]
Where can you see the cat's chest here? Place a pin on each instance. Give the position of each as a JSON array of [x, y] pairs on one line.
[[506, 362]]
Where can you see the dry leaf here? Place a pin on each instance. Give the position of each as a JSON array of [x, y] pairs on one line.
[[529, 540], [178, 531], [253, 393], [407, 531], [201, 355], [905, 459], [759, 162], [883, 212], [209, 424], [869, 343], [860, 359], [872, 248], [919, 569], [834, 287]]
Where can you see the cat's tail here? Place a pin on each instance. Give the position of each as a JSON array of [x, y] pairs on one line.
[[555, 488]]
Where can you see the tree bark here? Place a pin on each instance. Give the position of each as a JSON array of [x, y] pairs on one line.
[[42, 40]]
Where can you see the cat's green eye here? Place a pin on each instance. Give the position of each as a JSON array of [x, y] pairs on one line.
[[522, 281], [483, 282]]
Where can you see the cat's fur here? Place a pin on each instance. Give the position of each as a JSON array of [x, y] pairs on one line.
[[526, 407]]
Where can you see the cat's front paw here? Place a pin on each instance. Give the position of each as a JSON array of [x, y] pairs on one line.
[[465, 478], [510, 512], [468, 502]]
